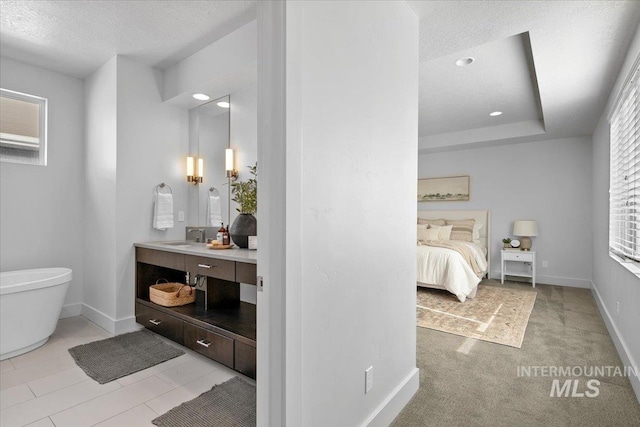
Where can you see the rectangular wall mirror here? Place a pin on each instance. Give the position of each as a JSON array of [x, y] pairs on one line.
[[209, 138], [226, 122]]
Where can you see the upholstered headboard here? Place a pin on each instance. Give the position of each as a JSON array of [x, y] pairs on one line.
[[481, 217]]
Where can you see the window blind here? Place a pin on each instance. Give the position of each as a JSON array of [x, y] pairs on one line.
[[22, 128], [624, 197]]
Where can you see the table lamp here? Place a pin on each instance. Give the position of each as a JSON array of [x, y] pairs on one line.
[[525, 228]]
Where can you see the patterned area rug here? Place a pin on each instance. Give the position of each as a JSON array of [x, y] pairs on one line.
[[230, 404], [498, 315]]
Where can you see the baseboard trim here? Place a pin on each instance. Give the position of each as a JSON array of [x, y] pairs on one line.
[[70, 310], [99, 318], [398, 399], [618, 342], [568, 282], [111, 325], [127, 324]]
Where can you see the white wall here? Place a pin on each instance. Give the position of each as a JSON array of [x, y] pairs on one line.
[[219, 69], [135, 142], [351, 151], [100, 194], [612, 282], [549, 181], [153, 139], [41, 206]]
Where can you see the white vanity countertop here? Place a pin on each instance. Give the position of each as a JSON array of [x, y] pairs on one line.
[[201, 249]]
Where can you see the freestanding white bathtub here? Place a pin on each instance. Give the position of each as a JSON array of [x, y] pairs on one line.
[[30, 304]]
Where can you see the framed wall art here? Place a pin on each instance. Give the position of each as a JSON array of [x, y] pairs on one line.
[[445, 189]]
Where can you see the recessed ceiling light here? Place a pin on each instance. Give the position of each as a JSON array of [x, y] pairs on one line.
[[464, 61], [201, 96], [495, 113], [223, 104]]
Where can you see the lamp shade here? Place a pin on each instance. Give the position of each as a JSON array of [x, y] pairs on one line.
[[200, 172], [525, 227], [228, 159], [190, 167]]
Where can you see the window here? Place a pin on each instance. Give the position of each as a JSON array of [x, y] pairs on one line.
[[23, 128], [624, 197]]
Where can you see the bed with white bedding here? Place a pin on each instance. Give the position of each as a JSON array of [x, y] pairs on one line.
[[457, 266]]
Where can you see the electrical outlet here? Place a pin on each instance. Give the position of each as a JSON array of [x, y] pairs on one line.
[[545, 264], [180, 216], [617, 308], [368, 379]]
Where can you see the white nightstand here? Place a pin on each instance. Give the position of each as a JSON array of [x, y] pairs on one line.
[[518, 256]]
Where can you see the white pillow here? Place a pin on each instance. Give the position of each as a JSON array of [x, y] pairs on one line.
[[441, 232], [476, 231], [423, 232]]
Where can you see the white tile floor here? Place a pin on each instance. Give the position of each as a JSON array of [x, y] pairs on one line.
[[45, 388]]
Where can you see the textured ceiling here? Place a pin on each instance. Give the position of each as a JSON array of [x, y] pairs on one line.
[[498, 80], [77, 37], [550, 60], [577, 49]]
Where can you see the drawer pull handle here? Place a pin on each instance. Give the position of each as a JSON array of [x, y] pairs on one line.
[[155, 322], [205, 265], [203, 342]]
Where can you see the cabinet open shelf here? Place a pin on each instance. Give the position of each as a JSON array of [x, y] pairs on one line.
[[518, 274]]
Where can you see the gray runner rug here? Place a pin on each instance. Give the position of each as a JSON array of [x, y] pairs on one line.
[[230, 404], [117, 357]]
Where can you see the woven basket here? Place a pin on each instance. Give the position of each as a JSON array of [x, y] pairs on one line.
[[171, 294]]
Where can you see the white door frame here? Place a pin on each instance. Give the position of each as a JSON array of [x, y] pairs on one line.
[[271, 301]]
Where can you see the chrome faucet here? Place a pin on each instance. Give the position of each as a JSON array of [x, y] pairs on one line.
[[200, 231]]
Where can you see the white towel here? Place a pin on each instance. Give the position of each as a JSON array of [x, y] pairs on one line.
[[214, 211], [163, 211]]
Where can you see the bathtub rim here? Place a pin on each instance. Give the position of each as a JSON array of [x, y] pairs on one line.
[[56, 276]]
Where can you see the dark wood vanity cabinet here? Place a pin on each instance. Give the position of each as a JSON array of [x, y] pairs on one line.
[[226, 332], [211, 267], [214, 346], [160, 322]]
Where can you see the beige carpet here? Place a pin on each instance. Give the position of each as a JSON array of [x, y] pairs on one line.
[[496, 315]]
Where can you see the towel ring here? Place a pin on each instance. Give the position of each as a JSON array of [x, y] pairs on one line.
[[161, 186], [215, 191]]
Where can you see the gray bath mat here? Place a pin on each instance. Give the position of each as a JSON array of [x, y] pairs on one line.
[[117, 357], [230, 404]]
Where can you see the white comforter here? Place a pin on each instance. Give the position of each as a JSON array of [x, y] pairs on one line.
[[446, 268]]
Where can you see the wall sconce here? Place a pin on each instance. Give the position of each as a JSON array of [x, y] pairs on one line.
[[194, 175], [232, 173]]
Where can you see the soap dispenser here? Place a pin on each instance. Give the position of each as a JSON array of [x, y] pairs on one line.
[[225, 237], [220, 235]]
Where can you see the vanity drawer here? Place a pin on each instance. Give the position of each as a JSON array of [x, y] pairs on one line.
[[518, 256], [159, 322], [246, 273], [160, 258], [211, 267], [245, 359], [210, 344]]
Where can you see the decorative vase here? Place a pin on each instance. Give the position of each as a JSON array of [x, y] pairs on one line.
[[243, 226]]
